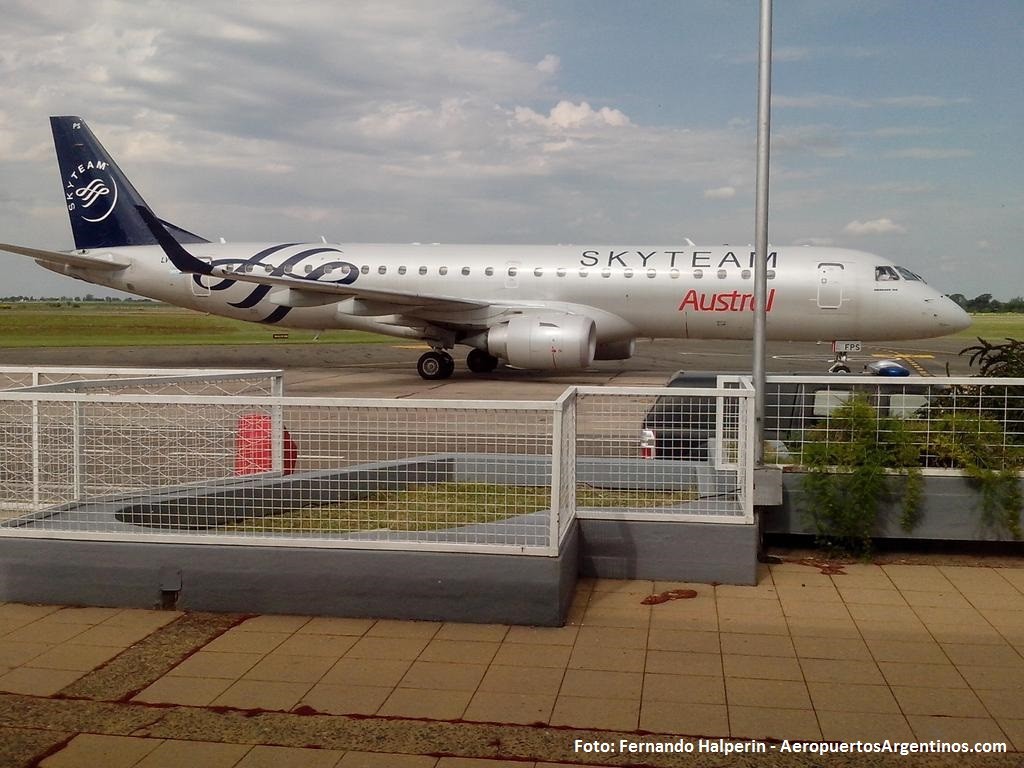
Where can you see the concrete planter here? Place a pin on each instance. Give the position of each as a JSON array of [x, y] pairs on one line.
[[950, 511]]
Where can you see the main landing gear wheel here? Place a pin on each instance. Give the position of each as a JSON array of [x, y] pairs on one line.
[[479, 361], [435, 365]]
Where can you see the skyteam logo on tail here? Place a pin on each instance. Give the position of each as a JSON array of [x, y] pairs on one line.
[[91, 191]]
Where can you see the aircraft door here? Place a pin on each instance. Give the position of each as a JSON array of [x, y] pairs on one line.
[[830, 286]]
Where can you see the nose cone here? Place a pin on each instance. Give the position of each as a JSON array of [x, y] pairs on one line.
[[948, 315], [959, 319]]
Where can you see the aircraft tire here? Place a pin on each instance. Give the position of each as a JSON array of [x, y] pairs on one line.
[[479, 361], [433, 366]]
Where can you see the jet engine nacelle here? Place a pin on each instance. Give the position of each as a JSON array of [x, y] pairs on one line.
[[542, 342], [615, 350]]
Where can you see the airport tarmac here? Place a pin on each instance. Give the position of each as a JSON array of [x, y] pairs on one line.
[[389, 369]]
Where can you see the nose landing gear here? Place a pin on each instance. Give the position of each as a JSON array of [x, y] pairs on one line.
[[841, 364], [842, 350]]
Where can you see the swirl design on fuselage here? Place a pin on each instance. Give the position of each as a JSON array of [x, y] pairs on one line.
[[349, 273]]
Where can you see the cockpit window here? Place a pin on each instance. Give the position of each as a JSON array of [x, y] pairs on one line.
[[908, 275], [886, 273]]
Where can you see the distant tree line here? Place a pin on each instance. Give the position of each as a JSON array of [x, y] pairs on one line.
[[87, 297], [985, 303]]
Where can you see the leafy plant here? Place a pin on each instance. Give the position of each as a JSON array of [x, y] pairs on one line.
[[978, 445], [849, 459], [997, 359], [852, 457]]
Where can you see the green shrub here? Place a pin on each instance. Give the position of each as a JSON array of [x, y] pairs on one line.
[[849, 460]]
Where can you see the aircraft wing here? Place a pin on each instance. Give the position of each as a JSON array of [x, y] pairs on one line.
[[302, 292], [109, 261]]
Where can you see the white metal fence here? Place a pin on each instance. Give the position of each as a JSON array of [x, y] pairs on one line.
[[496, 476], [149, 381]]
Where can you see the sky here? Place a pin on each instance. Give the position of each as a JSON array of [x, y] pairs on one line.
[[896, 126]]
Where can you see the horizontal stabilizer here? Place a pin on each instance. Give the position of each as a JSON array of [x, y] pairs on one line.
[[107, 261]]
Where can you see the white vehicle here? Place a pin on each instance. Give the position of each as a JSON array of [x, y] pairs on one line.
[[535, 307]]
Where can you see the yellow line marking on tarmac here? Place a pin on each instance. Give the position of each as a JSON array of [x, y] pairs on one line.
[[910, 360], [904, 356]]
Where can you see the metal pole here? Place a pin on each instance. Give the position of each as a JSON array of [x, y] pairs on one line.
[[764, 99]]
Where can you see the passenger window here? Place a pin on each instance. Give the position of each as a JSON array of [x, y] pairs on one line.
[[606, 272], [442, 270], [771, 274], [512, 271], [365, 269], [382, 270], [698, 274], [652, 273], [489, 271], [673, 273], [627, 272], [401, 270], [745, 274], [423, 270], [560, 272], [538, 271], [584, 272], [309, 268], [465, 271], [721, 274]]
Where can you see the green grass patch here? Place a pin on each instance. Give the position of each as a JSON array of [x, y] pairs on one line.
[[444, 505], [994, 326], [140, 324]]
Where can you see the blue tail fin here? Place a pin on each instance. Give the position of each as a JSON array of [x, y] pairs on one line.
[[102, 204]]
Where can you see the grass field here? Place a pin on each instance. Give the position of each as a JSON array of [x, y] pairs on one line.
[[137, 324], [445, 505], [994, 327], [140, 324]]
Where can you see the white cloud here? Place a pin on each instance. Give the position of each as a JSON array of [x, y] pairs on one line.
[[566, 115], [817, 241], [720, 193], [816, 101], [921, 102], [931, 153], [549, 65], [830, 100], [884, 226]]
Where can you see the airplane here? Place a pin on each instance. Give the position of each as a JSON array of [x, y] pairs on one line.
[[528, 306]]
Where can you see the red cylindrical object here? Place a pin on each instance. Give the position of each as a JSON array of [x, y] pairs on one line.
[[254, 447]]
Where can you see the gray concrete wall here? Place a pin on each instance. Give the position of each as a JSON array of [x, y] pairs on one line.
[[505, 589], [669, 551], [950, 511]]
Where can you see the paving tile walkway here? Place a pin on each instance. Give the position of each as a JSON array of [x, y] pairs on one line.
[[906, 653]]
